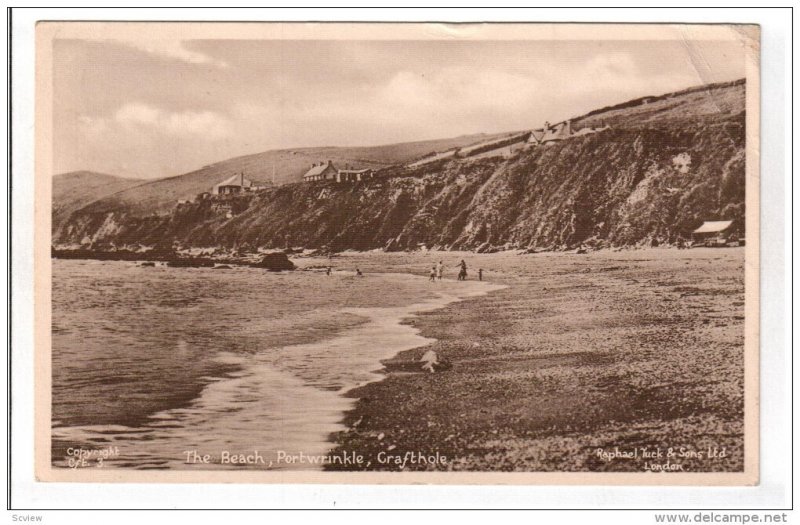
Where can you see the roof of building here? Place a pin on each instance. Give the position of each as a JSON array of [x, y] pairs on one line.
[[317, 170], [558, 131], [713, 226], [235, 180], [364, 170], [536, 135]]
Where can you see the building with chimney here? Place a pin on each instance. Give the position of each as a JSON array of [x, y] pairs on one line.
[[323, 171], [550, 133]]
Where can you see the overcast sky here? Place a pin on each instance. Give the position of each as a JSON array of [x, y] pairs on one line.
[[158, 108]]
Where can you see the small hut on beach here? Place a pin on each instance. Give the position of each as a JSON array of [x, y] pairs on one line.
[[715, 233]]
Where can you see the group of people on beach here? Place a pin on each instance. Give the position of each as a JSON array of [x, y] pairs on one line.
[[438, 269], [329, 269]]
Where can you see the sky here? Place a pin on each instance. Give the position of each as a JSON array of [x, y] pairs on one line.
[[155, 108]]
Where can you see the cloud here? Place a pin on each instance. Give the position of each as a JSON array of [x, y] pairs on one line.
[[186, 124], [174, 50], [141, 139], [610, 64], [619, 72], [458, 89], [92, 127], [136, 113]]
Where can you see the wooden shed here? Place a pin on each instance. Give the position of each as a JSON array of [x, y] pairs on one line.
[[715, 233]]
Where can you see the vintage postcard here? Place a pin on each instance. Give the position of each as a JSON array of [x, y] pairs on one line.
[[397, 253]]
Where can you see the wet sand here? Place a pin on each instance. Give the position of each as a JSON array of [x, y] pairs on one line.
[[580, 358]]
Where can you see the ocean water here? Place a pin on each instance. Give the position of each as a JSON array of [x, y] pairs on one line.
[[152, 363]]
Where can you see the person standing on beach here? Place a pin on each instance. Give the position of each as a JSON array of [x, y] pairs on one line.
[[433, 274], [439, 269], [480, 274], [462, 274], [328, 271]]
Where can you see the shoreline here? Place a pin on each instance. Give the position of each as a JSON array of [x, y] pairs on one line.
[[393, 330], [381, 333], [607, 351], [403, 319]]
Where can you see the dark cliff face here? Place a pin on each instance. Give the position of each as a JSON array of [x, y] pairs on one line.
[[616, 187], [658, 171]]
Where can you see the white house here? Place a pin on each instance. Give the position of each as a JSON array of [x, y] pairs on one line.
[[234, 184], [323, 171], [349, 175]]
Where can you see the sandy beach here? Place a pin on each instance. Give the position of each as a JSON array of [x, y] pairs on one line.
[[595, 362]]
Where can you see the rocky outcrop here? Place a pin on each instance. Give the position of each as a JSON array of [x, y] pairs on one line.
[[275, 262]]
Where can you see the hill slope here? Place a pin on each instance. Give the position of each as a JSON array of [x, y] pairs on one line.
[[76, 189], [661, 169], [289, 165]]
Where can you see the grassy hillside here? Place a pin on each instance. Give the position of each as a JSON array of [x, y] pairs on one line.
[[76, 189], [711, 101], [658, 172], [288, 165]]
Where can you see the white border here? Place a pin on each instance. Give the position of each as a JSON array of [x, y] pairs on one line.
[[774, 489]]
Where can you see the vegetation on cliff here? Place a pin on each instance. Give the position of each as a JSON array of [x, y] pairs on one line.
[[74, 190], [665, 165]]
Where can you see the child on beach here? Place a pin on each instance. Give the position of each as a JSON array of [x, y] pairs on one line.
[[433, 274], [358, 272], [328, 271], [439, 269], [480, 274]]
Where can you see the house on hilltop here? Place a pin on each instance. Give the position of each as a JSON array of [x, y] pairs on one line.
[[232, 185], [349, 175], [551, 133], [323, 171]]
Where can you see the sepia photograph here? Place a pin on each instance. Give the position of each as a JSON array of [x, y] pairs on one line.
[[397, 253]]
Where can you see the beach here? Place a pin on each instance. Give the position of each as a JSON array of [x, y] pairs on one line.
[[607, 361], [612, 361]]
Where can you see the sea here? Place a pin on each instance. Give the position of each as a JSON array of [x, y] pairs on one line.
[[173, 368]]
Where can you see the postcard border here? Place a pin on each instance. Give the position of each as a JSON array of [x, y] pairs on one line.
[[47, 31]]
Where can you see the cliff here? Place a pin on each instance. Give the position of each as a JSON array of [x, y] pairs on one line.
[[662, 168], [74, 190]]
